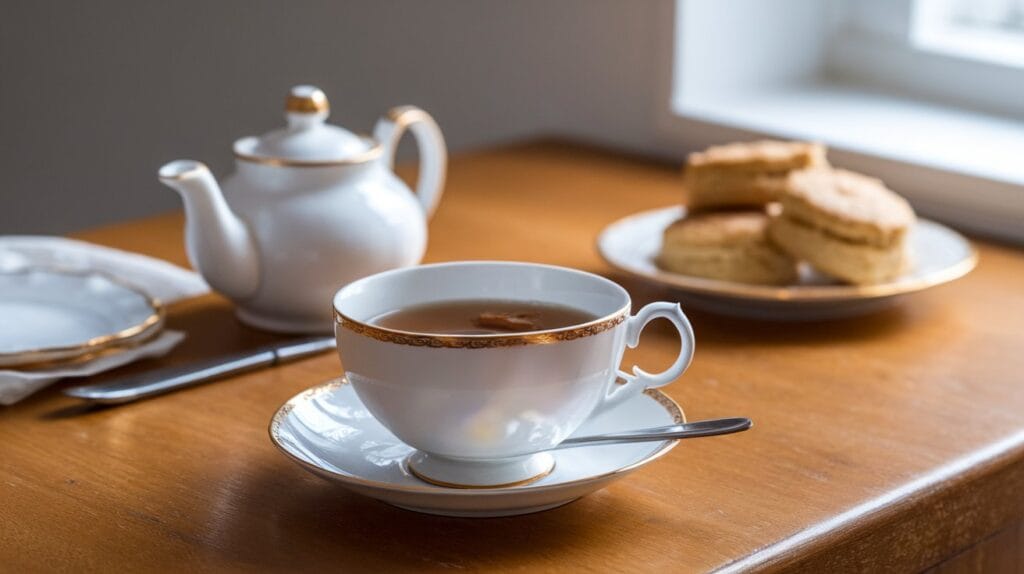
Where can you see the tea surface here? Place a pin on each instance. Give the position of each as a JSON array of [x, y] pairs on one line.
[[481, 317]]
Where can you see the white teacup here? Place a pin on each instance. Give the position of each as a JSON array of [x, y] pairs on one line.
[[480, 409]]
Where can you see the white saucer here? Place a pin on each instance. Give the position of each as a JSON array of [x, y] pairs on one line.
[[329, 432], [49, 314], [937, 253]]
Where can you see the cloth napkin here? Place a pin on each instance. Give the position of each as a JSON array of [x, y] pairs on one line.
[[160, 279]]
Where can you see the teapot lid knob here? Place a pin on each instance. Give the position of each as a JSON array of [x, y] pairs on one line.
[[307, 139], [307, 100]]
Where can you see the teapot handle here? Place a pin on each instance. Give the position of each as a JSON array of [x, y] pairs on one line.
[[433, 152]]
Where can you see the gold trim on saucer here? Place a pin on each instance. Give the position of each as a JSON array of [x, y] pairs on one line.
[[33, 358], [668, 404], [412, 470], [663, 400], [481, 341]]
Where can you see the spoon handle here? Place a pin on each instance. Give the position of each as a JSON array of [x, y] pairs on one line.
[[672, 432]]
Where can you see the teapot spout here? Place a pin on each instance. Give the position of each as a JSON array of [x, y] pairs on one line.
[[218, 243]]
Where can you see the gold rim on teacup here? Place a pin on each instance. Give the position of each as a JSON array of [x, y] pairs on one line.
[[546, 337]]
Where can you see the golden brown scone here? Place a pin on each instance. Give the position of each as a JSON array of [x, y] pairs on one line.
[[861, 264], [762, 155], [724, 189], [845, 203], [745, 174], [845, 224], [732, 246]]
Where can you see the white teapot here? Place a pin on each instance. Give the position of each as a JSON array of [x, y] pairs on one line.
[[310, 208]]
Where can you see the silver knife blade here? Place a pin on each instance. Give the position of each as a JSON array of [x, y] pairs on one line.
[[161, 381]]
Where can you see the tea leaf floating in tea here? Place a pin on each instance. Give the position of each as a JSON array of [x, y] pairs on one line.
[[508, 321], [482, 317]]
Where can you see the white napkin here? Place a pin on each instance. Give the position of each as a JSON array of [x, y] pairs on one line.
[[162, 280]]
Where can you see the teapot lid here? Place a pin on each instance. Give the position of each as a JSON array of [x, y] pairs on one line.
[[307, 139]]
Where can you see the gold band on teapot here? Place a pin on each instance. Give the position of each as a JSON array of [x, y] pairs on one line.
[[373, 152]]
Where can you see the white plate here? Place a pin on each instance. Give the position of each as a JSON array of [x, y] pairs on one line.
[[56, 315], [329, 432], [938, 255]]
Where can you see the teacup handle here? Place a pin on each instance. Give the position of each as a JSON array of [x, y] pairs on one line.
[[640, 380], [433, 152]]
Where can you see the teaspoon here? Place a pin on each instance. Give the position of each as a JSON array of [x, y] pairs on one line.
[[696, 429]]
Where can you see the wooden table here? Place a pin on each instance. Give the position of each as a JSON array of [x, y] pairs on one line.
[[889, 442]]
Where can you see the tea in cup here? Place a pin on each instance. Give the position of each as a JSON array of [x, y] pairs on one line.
[[484, 366]]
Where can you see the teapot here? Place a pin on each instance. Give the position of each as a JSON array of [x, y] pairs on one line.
[[311, 207]]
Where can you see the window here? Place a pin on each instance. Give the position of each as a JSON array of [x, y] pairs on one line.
[[895, 87], [987, 30], [962, 53]]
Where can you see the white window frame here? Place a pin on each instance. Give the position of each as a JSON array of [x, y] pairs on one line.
[[897, 44], [939, 128], [931, 32]]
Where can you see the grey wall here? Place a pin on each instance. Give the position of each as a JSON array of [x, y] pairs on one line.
[[95, 96]]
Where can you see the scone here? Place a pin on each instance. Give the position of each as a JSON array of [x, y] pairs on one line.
[[845, 224], [733, 246], [748, 174]]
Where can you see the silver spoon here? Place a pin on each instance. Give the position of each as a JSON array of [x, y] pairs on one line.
[[710, 427]]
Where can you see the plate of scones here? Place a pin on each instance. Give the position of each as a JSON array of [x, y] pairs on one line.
[[768, 229]]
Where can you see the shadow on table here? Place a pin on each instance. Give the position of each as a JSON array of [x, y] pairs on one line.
[[212, 331], [304, 521]]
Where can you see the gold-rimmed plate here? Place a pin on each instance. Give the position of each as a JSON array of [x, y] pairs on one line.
[[937, 254], [53, 315]]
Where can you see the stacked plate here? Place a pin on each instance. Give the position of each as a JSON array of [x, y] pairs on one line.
[[50, 316]]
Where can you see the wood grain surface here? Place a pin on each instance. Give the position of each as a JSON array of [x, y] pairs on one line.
[[1001, 552], [884, 443]]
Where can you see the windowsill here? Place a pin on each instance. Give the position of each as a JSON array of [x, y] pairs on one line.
[[889, 126], [987, 46], [961, 151]]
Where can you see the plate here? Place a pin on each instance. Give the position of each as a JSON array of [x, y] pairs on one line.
[[938, 255], [52, 315], [328, 431]]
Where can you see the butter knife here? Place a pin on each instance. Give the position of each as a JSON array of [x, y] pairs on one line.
[[160, 381]]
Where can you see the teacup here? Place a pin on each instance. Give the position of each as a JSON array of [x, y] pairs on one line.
[[482, 409]]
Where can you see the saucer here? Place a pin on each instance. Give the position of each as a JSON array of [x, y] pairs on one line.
[[937, 253], [328, 431], [52, 314]]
